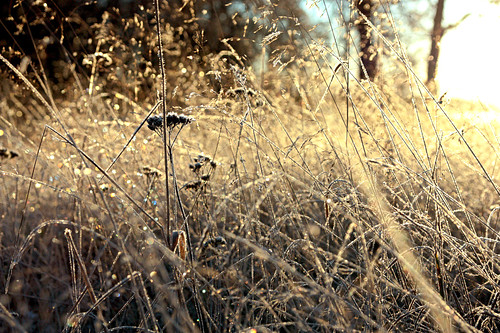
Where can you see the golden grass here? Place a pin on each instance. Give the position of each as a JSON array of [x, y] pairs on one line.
[[310, 205]]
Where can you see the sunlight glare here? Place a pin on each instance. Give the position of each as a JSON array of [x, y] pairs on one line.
[[467, 68]]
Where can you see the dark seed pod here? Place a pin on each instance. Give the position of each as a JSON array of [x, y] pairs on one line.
[[172, 119], [5, 153], [195, 185], [183, 119], [155, 122], [195, 167], [151, 171], [219, 240], [214, 242], [241, 92]]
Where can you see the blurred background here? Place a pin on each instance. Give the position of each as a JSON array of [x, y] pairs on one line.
[[451, 43]]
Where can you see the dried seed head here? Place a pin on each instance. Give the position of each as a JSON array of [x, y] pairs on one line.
[[155, 123], [219, 240], [174, 119], [195, 167], [5, 153], [184, 120], [202, 158], [200, 161], [240, 91], [151, 171], [194, 185], [178, 243], [214, 242]]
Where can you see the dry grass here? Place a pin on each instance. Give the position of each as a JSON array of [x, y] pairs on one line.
[[296, 202]]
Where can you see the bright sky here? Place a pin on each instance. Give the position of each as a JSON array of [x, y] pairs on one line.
[[468, 64]]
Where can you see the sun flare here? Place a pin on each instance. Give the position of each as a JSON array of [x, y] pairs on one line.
[[467, 63]]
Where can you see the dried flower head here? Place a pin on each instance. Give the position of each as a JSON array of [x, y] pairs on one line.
[[239, 91], [151, 171], [202, 158], [5, 153], [194, 185], [195, 167], [214, 242], [200, 161], [203, 167], [155, 123], [174, 119]]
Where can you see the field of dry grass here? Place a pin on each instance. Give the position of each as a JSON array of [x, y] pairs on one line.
[[292, 199]]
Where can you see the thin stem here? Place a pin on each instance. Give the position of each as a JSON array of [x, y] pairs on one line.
[[186, 228], [164, 111]]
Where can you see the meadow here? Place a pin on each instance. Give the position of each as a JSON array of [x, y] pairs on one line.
[[285, 197]]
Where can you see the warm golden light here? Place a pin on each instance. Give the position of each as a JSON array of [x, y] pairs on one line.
[[468, 66]]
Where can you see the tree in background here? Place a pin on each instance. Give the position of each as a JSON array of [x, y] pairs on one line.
[[247, 25], [436, 35], [210, 25], [113, 44], [367, 50], [368, 11]]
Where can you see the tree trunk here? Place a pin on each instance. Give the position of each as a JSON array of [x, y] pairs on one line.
[[368, 51], [437, 34]]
